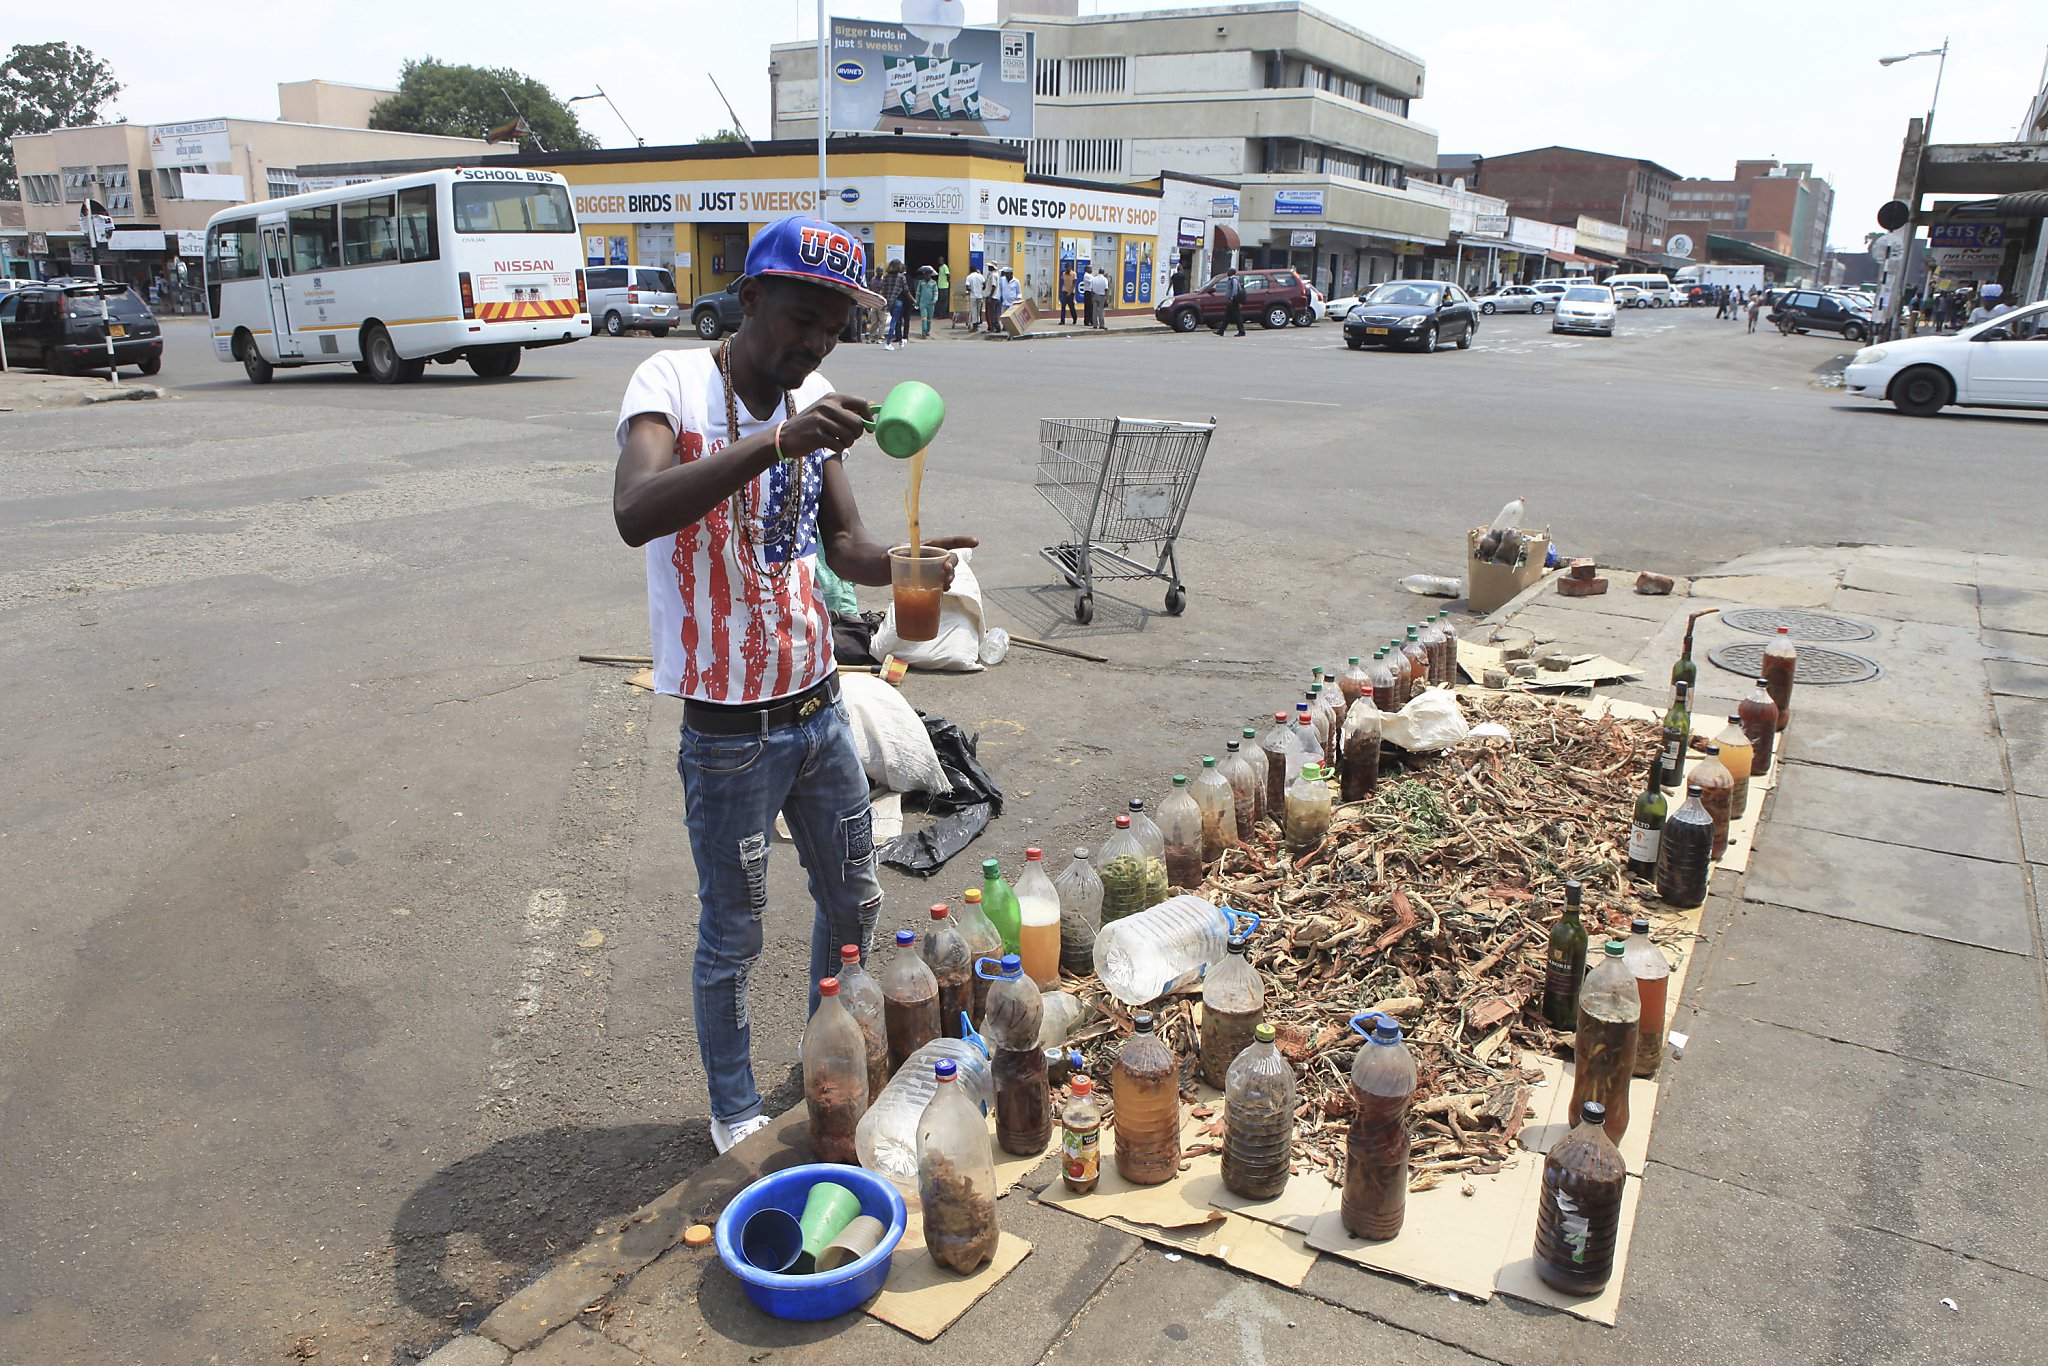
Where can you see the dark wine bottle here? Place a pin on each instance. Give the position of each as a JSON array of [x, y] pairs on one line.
[[1647, 830], [1565, 967]]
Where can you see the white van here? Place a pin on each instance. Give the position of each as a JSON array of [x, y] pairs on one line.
[[1650, 291]]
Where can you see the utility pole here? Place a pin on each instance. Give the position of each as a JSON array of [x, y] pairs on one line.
[[824, 94]]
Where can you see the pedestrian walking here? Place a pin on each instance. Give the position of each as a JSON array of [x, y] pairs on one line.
[[945, 293], [926, 293], [1008, 293], [731, 474], [896, 295], [1233, 301], [1068, 279], [1756, 306]]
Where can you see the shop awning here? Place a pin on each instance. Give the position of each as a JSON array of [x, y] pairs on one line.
[[1572, 258], [1722, 248], [1225, 239]]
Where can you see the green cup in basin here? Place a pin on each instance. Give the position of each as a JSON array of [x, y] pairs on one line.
[[909, 419]]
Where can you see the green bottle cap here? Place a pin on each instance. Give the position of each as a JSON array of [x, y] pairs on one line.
[[1180, 780], [1312, 772], [991, 867], [1354, 660], [1208, 761], [1615, 948], [1250, 733], [1413, 633]]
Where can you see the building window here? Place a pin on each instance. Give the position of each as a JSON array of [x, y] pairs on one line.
[[1094, 156], [114, 192], [284, 180], [79, 183], [170, 180], [1042, 157], [147, 187], [1388, 101], [1095, 75], [1048, 82], [43, 189]]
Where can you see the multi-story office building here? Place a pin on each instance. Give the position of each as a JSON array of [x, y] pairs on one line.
[[1785, 209], [1557, 184]]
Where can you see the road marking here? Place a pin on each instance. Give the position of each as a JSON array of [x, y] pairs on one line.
[[1297, 402], [1247, 1306], [544, 911], [570, 412]]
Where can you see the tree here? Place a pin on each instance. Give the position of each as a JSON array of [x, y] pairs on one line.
[[44, 86], [722, 135], [468, 101]]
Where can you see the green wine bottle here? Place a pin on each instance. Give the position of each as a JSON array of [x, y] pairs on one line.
[[1647, 830], [1565, 967], [1677, 737], [1685, 670]]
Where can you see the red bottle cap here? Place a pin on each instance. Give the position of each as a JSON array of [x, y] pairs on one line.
[[1083, 1086], [829, 987], [1033, 854], [849, 953], [1124, 822], [1784, 630], [939, 911]]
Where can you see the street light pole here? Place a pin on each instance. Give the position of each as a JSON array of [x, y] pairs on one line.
[[824, 77], [1897, 288]]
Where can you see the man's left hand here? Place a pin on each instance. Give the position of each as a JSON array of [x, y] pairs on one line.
[[950, 543]]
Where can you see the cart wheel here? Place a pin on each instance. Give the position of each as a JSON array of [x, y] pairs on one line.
[[1176, 600], [1084, 608]]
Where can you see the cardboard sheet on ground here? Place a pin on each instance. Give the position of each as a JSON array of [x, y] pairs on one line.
[[1588, 669], [1305, 1200], [1519, 1279], [1264, 1250], [924, 1299], [1448, 1239]]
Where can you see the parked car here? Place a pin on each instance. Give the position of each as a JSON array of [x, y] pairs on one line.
[[1808, 310], [717, 313], [1272, 298], [1585, 308], [1416, 313], [629, 298], [1337, 310], [1514, 299], [59, 327], [1999, 363]]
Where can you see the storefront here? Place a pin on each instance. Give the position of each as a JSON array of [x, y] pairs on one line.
[[918, 200]]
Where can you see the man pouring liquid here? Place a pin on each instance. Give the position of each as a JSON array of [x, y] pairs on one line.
[[731, 473]]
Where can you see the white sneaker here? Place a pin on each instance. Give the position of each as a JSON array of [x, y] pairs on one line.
[[724, 1136]]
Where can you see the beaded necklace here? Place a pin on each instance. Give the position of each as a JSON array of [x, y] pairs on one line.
[[755, 535]]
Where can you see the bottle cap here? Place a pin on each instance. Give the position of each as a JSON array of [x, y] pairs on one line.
[[1713, 749], [938, 910], [828, 986], [1593, 1112], [1614, 948], [849, 953], [1692, 789], [1142, 1021], [1312, 772], [1264, 1033], [1012, 965], [1137, 803], [972, 894], [1301, 708], [1413, 633], [1354, 659], [1237, 943], [1784, 630], [1251, 733], [1679, 687], [1083, 1086], [1081, 853], [1573, 890], [1640, 925], [1230, 746], [1385, 1031], [991, 867], [944, 1069], [1279, 716], [1123, 822], [1180, 780], [905, 938], [1033, 854], [1208, 761]]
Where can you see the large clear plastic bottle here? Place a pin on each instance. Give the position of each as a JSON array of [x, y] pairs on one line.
[[1404, 672], [1061, 1013], [1685, 854], [952, 964], [1449, 626], [1146, 1082], [886, 1138], [1738, 756], [1038, 910], [910, 1000], [956, 1177], [1306, 740], [1716, 784], [1147, 833], [835, 1076], [1254, 755], [984, 940], [1143, 957], [1432, 641], [1023, 1093], [1123, 876], [1308, 810], [1233, 1005], [1781, 666], [1247, 789], [1652, 971], [1279, 745], [1259, 1096], [1319, 717], [1604, 1048], [861, 994], [1578, 1213], [1375, 1197], [999, 903], [1353, 683], [1418, 661], [1218, 805], [1360, 776], [1384, 690], [1080, 894], [1180, 822]]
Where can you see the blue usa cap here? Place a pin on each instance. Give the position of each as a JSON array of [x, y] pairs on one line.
[[801, 247]]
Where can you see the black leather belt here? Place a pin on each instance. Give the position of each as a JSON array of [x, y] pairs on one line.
[[757, 718]]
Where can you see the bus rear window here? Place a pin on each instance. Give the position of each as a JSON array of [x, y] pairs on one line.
[[512, 208]]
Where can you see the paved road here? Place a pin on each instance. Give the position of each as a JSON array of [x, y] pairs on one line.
[[341, 980]]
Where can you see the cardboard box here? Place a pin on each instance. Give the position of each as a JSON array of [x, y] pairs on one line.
[[1018, 317], [1491, 586]]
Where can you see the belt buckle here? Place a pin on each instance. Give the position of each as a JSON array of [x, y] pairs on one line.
[[810, 706]]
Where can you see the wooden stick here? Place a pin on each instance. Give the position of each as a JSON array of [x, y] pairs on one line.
[[1050, 648], [641, 660]]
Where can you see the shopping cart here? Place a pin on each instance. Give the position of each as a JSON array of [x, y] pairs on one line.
[[1123, 482]]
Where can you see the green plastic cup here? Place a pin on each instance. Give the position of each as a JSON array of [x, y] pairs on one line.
[[828, 1209], [909, 419]]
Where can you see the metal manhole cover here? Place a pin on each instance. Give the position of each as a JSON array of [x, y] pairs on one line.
[[1815, 664], [1765, 621]]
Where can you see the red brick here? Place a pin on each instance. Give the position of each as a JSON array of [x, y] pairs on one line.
[[1581, 588], [1653, 585]]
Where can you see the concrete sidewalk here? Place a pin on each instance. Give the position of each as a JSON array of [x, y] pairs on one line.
[[1843, 1167]]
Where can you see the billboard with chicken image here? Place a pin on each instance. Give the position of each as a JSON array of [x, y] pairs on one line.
[[930, 74]]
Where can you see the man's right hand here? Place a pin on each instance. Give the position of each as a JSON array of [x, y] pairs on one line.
[[833, 423]]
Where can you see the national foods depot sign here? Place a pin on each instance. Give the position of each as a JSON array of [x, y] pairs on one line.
[[888, 199]]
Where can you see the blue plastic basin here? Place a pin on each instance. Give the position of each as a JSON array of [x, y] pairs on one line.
[[831, 1293]]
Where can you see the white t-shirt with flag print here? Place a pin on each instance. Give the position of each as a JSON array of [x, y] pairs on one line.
[[717, 637]]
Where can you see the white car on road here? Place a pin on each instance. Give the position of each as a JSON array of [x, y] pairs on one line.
[[1514, 299], [1999, 363], [1585, 308]]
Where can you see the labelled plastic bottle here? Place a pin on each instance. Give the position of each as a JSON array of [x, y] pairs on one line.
[[1061, 1013], [1308, 810], [999, 904], [1652, 971], [1023, 1094], [1081, 1139], [1123, 876], [1233, 1005], [1152, 840], [1354, 682], [1038, 913], [835, 1076], [1578, 1212], [952, 964], [984, 940], [1164, 948], [1259, 1096], [1384, 690], [1218, 806], [1180, 823], [1375, 1197], [1254, 755], [1247, 790], [956, 1177], [1759, 717], [1080, 894], [1717, 794], [910, 1000], [1146, 1091], [1604, 1046], [1685, 855], [1781, 663], [1738, 755], [1564, 966], [1279, 745], [1434, 585], [886, 1138], [861, 994], [1361, 773]]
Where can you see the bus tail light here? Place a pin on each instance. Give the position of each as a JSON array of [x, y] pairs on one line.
[[468, 296], [582, 299]]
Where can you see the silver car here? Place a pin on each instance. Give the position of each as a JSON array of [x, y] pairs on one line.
[[632, 298], [1514, 299]]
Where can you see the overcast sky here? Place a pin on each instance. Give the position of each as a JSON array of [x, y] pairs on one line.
[[1793, 79]]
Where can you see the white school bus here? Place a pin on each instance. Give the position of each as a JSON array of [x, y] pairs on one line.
[[469, 263]]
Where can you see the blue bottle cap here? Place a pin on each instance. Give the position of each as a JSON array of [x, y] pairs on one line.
[[1012, 964], [906, 938], [944, 1069]]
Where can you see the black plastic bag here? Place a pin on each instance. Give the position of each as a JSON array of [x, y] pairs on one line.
[[964, 810]]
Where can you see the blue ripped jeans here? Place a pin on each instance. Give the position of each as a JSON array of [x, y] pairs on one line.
[[733, 786]]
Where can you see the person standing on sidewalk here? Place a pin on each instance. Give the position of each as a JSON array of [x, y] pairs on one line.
[[1233, 301], [731, 474], [1756, 304], [896, 296], [927, 299], [1098, 295], [977, 288], [1068, 280], [945, 293]]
